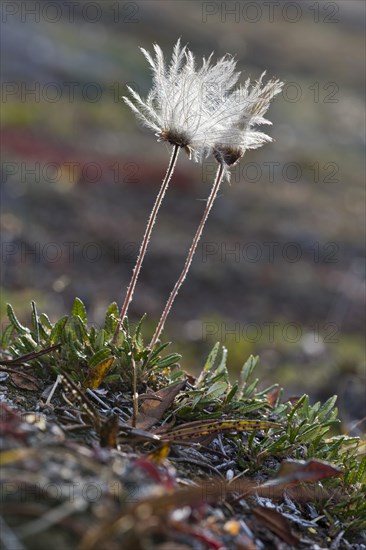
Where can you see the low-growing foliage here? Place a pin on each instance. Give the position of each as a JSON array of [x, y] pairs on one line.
[[211, 402]]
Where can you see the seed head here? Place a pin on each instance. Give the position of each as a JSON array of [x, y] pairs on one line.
[[248, 104], [197, 108], [183, 105]]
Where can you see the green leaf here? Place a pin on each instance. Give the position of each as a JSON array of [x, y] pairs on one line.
[[209, 365], [14, 321], [168, 361], [155, 354], [111, 318], [245, 374], [6, 336], [210, 362], [222, 365], [58, 331], [77, 328], [252, 406], [302, 402], [232, 393], [98, 357], [45, 322], [326, 411], [139, 326], [217, 390], [92, 335], [78, 310], [101, 339], [177, 375], [361, 472], [28, 343], [249, 390], [196, 400], [35, 322]]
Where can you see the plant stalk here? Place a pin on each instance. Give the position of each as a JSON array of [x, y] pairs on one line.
[[182, 276], [146, 239]]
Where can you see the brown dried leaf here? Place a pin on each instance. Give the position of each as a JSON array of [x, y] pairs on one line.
[[109, 431], [277, 523], [272, 396], [154, 406], [243, 542], [295, 471], [25, 381]]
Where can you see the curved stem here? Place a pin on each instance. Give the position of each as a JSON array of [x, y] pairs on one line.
[[146, 239], [182, 276]]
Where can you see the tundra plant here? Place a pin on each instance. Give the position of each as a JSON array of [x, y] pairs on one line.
[[198, 110]]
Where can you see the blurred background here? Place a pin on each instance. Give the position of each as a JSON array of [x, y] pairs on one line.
[[280, 270]]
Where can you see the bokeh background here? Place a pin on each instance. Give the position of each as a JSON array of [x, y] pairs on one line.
[[79, 178]]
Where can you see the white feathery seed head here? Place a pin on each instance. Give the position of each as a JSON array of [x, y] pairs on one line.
[[195, 108], [248, 104]]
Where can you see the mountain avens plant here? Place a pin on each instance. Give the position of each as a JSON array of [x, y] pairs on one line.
[[244, 109], [184, 108]]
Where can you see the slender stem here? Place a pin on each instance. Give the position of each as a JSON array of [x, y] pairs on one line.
[[182, 276], [135, 395], [146, 239]]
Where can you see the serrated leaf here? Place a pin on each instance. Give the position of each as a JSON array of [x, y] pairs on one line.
[[77, 328], [45, 322], [78, 310], [139, 326], [75, 353], [361, 472], [100, 339], [14, 321], [28, 342], [97, 374], [98, 357], [44, 335], [126, 325], [92, 335], [6, 336], [58, 331], [111, 318]]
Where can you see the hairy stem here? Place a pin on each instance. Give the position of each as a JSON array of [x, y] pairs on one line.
[[146, 239], [182, 276]]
